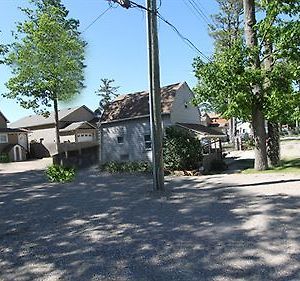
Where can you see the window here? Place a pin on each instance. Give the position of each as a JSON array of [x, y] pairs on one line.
[[120, 139], [147, 141], [3, 138]]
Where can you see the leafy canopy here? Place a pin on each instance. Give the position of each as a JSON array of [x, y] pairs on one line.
[[47, 58]]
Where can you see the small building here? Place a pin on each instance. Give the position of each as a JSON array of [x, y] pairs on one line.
[[13, 142], [76, 125], [125, 123]]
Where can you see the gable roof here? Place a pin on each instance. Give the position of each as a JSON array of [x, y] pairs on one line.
[[3, 116], [137, 104], [9, 130], [77, 125], [39, 120]]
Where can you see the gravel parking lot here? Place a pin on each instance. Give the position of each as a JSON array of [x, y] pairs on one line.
[[102, 227]]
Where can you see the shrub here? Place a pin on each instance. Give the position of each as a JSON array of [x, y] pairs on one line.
[[126, 167], [182, 151], [57, 173], [4, 158]]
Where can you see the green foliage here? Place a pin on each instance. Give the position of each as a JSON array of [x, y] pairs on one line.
[[46, 58], [226, 81], [226, 27], [57, 173], [182, 151], [126, 167], [4, 158], [107, 93]]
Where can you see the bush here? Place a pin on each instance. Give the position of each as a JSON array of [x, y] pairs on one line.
[[182, 151], [4, 158], [57, 173], [126, 167]]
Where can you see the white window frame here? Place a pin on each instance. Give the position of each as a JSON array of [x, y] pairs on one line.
[[5, 137]]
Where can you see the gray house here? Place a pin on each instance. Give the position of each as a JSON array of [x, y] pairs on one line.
[[125, 126], [13, 142], [76, 126]]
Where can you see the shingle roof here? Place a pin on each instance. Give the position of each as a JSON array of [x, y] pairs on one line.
[[204, 130], [75, 126], [38, 120], [9, 130], [137, 104]]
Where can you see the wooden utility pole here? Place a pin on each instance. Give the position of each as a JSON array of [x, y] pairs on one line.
[[154, 93], [155, 97]]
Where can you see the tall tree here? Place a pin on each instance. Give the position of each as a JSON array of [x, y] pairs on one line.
[[226, 27], [257, 116], [107, 93], [239, 81], [226, 30], [47, 59]]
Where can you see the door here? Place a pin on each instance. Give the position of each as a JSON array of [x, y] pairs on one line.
[[18, 153]]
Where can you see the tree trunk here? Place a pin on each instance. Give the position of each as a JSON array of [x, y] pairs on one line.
[[258, 121], [259, 134], [56, 124], [273, 144]]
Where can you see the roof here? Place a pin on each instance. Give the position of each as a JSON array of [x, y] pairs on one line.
[[9, 130], [10, 146], [203, 130], [39, 120], [1, 114], [76, 125], [137, 104]]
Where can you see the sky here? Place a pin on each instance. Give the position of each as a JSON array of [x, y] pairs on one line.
[[117, 46]]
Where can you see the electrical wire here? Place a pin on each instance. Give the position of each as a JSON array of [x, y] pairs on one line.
[[198, 10], [96, 19], [187, 41]]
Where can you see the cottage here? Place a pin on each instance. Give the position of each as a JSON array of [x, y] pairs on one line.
[[125, 126], [13, 142], [76, 125]]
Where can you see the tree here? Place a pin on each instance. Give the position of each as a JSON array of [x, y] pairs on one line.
[[47, 59], [3, 51], [238, 81], [107, 93], [226, 27]]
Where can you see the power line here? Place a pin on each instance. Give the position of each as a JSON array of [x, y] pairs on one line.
[[187, 41], [198, 10], [96, 19]]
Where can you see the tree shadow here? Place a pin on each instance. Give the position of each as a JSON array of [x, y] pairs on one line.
[[104, 227]]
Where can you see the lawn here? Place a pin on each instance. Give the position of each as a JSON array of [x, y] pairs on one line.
[[286, 166]]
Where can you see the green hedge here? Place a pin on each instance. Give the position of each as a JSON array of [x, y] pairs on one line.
[[57, 173], [4, 158], [126, 167]]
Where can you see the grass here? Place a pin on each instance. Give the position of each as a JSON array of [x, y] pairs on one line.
[[286, 166]]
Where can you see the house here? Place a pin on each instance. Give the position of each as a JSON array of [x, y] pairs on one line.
[[76, 126], [13, 142], [125, 126]]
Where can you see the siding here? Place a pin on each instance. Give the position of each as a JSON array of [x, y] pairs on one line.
[[133, 132], [182, 111]]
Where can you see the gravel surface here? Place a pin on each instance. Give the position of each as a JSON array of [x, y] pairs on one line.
[[102, 227]]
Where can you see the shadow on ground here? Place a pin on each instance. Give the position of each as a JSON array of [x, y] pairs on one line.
[[114, 228]]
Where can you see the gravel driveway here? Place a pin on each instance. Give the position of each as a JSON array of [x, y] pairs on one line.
[[227, 227]]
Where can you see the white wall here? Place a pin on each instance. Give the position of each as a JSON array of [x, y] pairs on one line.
[[182, 110]]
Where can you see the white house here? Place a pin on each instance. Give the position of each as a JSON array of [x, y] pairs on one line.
[[125, 124]]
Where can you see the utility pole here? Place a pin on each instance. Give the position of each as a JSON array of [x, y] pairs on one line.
[[155, 97], [154, 93]]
